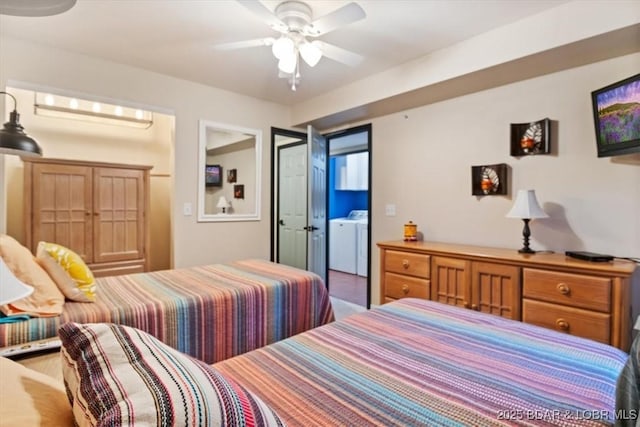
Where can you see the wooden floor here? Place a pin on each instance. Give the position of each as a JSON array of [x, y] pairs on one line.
[[348, 287]]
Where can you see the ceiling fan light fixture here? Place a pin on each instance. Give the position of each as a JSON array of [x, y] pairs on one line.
[[288, 64], [283, 47], [310, 52]]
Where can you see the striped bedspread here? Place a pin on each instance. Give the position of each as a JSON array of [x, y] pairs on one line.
[[210, 312], [421, 363]]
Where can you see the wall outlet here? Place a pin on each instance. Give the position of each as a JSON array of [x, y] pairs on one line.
[[390, 210], [186, 209]]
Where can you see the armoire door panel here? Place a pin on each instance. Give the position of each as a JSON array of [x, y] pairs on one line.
[[119, 208], [60, 206]]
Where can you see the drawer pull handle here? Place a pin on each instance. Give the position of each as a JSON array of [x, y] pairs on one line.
[[466, 304], [562, 324], [405, 289], [405, 263], [563, 288], [474, 307]]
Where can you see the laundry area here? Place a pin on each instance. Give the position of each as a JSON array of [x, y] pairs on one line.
[[349, 225]]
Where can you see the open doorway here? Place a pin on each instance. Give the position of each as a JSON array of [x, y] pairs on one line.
[[347, 203]]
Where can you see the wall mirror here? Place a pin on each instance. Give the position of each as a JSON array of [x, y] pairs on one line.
[[229, 161]]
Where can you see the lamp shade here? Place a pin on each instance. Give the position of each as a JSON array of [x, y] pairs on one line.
[[526, 206], [35, 7], [310, 52], [222, 203], [13, 140], [284, 47], [287, 64], [11, 289]]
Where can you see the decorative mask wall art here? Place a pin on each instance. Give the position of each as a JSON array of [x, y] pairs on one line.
[[531, 138]]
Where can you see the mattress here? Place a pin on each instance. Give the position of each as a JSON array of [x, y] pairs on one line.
[[211, 312], [415, 362]]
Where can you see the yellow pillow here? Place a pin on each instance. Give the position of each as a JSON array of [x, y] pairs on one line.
[[46, 299], [68, 271]]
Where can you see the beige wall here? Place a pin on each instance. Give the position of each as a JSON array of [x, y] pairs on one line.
[[193, 243], [422, 162]]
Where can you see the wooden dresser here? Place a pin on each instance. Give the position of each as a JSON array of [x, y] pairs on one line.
[[587, 299], [99, 210]]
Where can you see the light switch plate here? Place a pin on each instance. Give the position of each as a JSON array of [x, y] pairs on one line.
[[186, 209]]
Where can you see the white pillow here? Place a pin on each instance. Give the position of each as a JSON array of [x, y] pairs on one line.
[[11, 288]]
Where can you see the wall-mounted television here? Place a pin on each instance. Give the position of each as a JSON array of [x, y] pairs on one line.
[[616, 114], [213, 175]]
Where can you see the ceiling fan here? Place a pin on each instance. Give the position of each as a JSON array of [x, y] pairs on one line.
[[294, 21]]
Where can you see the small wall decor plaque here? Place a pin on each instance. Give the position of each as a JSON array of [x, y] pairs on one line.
[[531, 138], [238, 191], [489, 180], [232, 175]]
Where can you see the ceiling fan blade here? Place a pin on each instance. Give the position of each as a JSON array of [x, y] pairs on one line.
[[345, 15], [265, 14], [340, 55], [267, 41]]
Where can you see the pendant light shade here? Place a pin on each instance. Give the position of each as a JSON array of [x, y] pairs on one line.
[[13, 139]]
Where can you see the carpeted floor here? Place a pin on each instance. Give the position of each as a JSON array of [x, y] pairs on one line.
[[342, 308]]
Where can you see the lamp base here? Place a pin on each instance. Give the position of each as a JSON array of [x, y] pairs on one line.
[[526, 250]]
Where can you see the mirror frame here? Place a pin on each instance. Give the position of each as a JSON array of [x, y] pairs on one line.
[[204, 125]]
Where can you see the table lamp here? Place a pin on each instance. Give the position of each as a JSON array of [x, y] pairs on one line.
[[526, 207], [223, 204]]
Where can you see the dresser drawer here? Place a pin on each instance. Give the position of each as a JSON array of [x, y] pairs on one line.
[[576, 290], [401, 286], [575, 321], [407, 263]]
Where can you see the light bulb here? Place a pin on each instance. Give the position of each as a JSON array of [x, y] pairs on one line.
[[139, 114], [283, 47], [49, 100], [73, 104], [96, 107], [118, 110]]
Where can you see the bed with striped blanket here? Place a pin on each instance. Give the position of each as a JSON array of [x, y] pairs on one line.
[[210, 312], [420, 363]]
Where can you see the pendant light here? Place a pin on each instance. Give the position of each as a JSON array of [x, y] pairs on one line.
[[13, 140]]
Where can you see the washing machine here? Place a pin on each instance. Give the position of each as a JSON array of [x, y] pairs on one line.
[[342, 245], [343, 242]]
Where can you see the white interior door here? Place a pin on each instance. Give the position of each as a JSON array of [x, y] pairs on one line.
[[317, 201], [292, 206]]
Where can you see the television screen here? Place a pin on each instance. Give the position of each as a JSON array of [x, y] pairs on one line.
[[616, 114], [213, 175]]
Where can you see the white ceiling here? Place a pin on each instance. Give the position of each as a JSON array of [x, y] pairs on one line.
[[176, 38]]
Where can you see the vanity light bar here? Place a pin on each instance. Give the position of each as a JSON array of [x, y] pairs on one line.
[[80, 109]]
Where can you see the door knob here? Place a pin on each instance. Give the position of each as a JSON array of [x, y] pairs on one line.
[[281, 222]]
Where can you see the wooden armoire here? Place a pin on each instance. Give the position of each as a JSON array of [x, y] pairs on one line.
[[99, 210]]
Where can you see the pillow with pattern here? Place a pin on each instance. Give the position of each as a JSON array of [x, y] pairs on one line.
[[119, 375], [67, 269]]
